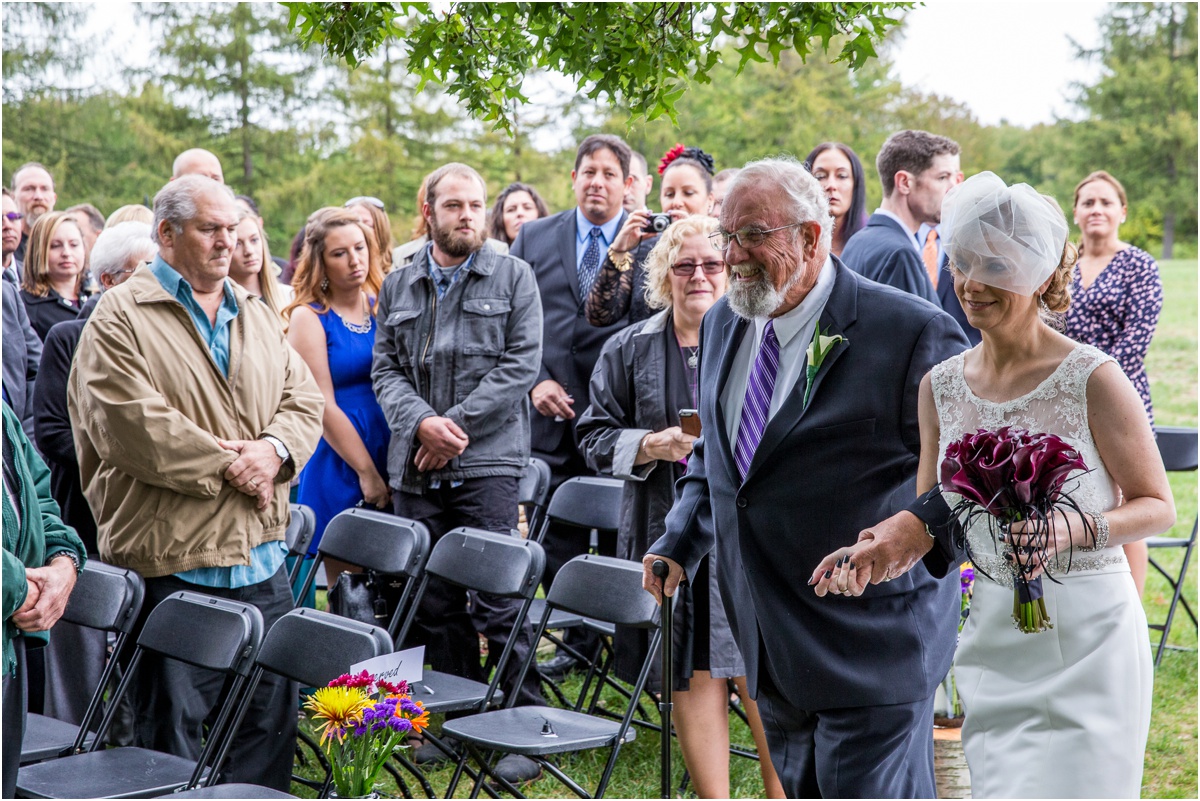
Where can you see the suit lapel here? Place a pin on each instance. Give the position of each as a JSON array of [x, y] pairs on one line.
[[839, 315], [732, 329], [566, 252]]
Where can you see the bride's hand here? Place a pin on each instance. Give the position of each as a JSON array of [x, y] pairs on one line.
[[1034, 544]]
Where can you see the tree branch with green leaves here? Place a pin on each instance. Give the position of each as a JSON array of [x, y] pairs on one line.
[[641, 55]]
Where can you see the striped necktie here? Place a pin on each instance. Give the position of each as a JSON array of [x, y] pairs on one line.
[[759, 389]]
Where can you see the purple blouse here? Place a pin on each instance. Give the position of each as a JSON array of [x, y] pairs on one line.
[[1119, 312]]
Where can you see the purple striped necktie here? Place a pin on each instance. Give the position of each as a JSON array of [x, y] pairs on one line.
[[758, 399]]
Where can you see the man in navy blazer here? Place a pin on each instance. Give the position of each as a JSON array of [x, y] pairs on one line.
[[945, 285], [557, 247], [916, 169], [845, 684]]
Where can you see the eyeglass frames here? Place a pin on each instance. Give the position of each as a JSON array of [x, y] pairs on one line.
[[688, 268], [746, 238]]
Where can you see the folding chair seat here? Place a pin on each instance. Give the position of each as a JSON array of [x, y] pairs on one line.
[[302, 525], [594, 587], [533, 492], [384, 543], [201, 630], [486, 562], [1178, 448], [106, 598]]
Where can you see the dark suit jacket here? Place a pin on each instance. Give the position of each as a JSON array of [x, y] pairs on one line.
[[949, 301], [52, 425], [570, 344], [820, 475], [22, 354], [885, 252]]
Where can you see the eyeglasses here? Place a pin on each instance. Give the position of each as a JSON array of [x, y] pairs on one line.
[[13, 216], [746, 238], [688, 268], [374, 201]]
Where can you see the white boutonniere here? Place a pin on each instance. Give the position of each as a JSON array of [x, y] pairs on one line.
[[818, 349]]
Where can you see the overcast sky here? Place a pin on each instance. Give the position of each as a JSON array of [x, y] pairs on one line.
[[1006, 59]]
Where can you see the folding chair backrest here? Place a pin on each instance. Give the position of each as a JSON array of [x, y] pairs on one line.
[[106, 598], [301, 526], [606, 589], [376, 540], [534, 487], [204, 631], [1177, 447], [588, 502], [315, 647], [500, 564]]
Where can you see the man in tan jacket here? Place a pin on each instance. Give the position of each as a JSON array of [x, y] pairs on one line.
[[191, 414]]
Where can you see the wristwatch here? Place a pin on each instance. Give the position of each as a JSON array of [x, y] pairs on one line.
[[280, 449], [70, 555], [621, 259]]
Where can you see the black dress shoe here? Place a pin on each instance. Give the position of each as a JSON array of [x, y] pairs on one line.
[[424, 752], [559, 667], [518, 770]]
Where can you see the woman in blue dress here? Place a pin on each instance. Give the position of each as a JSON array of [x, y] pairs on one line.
[[331, 324]]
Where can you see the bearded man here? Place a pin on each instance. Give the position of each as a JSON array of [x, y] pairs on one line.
[[457, 352], [33, 186], [802, 454]]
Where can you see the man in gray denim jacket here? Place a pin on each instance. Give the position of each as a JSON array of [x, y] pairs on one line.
[[457, 350]]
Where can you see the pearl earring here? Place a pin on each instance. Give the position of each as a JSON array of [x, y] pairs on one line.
[[325, 285]]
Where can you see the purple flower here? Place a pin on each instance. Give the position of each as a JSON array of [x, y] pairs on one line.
[[1009, 470]]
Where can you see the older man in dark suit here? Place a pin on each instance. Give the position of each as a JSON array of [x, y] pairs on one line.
[[799, 455], [566, 251], [916, 169]]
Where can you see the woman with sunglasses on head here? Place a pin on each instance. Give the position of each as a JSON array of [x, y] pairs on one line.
[[633, 429], [331, 324], [373, 214], [53, 278], [837, 168], [516, 205], [687, 189]]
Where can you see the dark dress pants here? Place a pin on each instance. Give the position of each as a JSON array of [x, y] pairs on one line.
[[450, 618], [856, 752], [174, 702], [12, 710]]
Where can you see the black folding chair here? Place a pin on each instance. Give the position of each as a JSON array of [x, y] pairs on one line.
[[594, 587], [594, 503], [200, 630], [1178, 449], [533, 492], [310, 647], [106, 598], [391, 546], [302, 525], [496, 564]]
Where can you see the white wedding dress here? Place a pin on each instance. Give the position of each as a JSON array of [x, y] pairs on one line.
[[1062, 713]]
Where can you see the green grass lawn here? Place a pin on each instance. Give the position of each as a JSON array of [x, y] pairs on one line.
[[1171, 752]]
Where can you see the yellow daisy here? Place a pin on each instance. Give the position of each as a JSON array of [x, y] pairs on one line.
[[339, 707]]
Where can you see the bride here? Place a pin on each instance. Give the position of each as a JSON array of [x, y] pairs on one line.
[[1065, 712]]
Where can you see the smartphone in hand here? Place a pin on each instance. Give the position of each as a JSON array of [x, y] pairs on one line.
[[689, 421]]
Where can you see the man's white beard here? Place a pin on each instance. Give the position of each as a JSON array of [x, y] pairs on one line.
[[758, 299]]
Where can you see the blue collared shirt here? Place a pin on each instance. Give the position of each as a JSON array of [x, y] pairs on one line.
[[265, 559], [215, 335], [438, 276], [923, 234], [583, 230]]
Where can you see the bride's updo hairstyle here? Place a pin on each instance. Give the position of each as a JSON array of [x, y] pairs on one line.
[[1008, 237]]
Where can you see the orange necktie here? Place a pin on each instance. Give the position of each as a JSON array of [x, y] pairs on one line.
[[929, 255]]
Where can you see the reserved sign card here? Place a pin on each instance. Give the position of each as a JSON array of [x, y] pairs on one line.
[[402, 665]]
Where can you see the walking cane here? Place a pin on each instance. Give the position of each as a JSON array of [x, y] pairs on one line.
[[660, 569]]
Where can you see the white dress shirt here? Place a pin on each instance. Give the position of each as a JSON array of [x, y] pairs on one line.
[[794, 330]]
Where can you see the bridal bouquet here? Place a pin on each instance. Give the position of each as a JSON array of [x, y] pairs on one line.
[[1011, 475], [366, 721]]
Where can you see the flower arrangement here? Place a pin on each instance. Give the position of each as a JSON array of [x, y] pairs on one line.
[[365, 721], [1011, 475]]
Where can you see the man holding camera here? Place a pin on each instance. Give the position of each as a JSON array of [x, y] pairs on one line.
[[566, 251]]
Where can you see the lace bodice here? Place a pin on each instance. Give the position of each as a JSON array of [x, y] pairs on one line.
[[1057, 406]]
